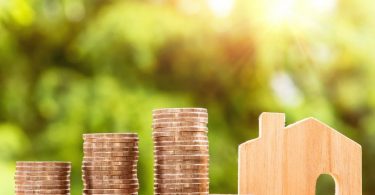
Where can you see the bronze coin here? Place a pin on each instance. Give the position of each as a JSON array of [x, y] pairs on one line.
[[182, 157], [44, 173], [181, 129], [110, 173], [110, 135], [180, 171], [178, 153], [182, 148], [174, 138], [174, 110], [111, 154], [179, 124], [113, 168], [117, 158], [108, 163], [192, 161], [38, 168], [111, 186], [110, 191], [110, 181], [181, 175], [110, 144], [42, 187], [181, 143], [180, 190], [43, 163], [180, 114], [108, 177], [182, 180], [180, 119], [41, 178], [111, 149], [53, 191], [179, 133], [181, 166]]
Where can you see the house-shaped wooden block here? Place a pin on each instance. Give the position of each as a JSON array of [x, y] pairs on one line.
[[288, 160]]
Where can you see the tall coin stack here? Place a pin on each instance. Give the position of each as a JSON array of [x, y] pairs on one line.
[[180, 151], [110, 163], [42, 178]]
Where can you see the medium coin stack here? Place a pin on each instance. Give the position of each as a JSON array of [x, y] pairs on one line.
[[110, 163], [180, 151], [42, 178]]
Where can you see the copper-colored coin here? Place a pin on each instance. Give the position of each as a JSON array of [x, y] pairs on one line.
[[43, 163], [181, 157], [39, 168], [181, 148], [174, 138], [181, 129], [174, 110], [42, 173], [181, 189], [182, 185], [178, 153], [183, 193], [41, 182], [179, 134], [111, 186], [180, 114], [110, 144], [42, 187], [110, 191], [41, 178], [181, 143], [99, 173], [112, 168], [111, 154], [179, 124], [108, 177], [110, 149], [108, 163], [182, 180], [182, 171], [53, 191], [113, 159], [181, 175], [180, 119], [111, 181], [181, 166], [110, 135], [173, 161]]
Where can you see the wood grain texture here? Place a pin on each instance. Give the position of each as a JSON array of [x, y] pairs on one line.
[[289, 160]]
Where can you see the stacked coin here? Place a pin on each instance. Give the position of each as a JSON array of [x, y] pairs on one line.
[[42, 178], [180, 151], [110, 163]]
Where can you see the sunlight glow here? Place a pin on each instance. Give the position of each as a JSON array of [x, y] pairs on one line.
[[221, 8], [279, 12]]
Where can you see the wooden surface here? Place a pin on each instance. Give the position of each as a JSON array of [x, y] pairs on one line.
[[289, 160]]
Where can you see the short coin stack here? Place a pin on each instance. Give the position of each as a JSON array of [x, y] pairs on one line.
[[181, 151], [110, 163], [42, 178]]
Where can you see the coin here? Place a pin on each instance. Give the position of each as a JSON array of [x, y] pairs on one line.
[[180, 114], [44, 163], [180, 119], [179, 124], [110, 191], [111, 186], [110, 135], [111, 168], [181, 129], [178, 110], [110, 144], [39, 168], [181, 148], [174, 138]]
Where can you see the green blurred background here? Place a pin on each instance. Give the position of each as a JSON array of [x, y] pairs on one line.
[[69, 67]]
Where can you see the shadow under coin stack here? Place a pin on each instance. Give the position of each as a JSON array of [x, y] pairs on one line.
[[110, 163], [42, 178], [181, 151]]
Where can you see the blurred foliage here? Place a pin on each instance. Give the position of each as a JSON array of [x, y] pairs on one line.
[[69, 67]]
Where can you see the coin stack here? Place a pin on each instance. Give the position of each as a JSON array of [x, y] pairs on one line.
[[42, 178], [180, 151], [110, 163]]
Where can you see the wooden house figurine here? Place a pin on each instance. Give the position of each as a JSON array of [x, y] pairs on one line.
[[288, 160]]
